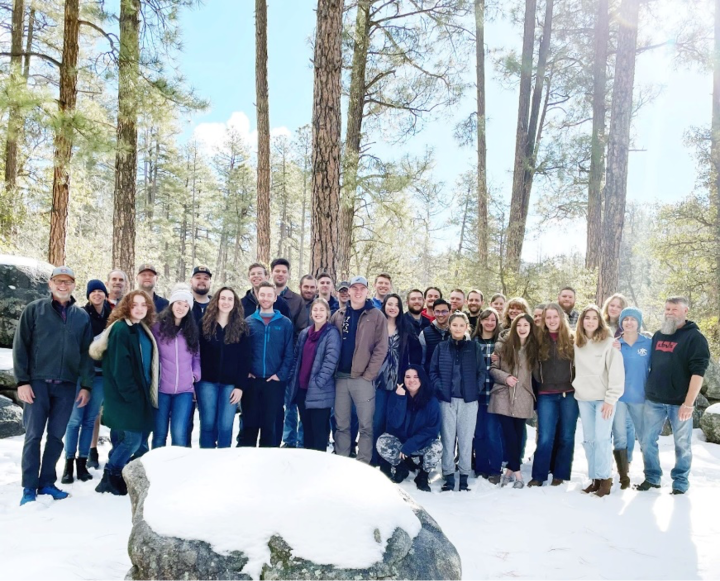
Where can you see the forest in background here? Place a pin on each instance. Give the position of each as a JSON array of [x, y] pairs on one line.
[[97, 171]]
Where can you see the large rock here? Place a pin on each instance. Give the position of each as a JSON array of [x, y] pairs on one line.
[[245, 513], [22, 280], [711, 381], [710, 423], [11, 422]]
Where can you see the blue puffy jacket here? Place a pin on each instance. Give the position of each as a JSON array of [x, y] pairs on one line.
[[472, 365], [271, 346], [415, 427], [321, 390]]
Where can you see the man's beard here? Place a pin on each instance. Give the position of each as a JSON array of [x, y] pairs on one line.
[[473, 310], [201, 291], [414, 310], [669, 326], [148, 287]]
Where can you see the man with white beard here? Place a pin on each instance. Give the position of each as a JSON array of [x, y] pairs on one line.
[[679, 359]]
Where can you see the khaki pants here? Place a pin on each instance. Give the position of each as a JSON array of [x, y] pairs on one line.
[[361, 392]]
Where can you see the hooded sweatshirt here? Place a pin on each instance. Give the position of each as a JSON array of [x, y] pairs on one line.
[[179, 367], [599, 372]]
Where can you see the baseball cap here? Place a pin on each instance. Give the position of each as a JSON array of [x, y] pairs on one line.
[[147, 266], [66, 270], [359, 280], [202, 270], [343, 285]]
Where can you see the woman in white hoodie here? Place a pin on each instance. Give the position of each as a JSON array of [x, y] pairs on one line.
[[599, 382]]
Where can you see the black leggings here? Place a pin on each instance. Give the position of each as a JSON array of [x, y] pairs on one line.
[[315, 423], [513, 431]]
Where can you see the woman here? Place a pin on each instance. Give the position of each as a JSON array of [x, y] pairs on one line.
[[82, 420], [635, 349], [224, 356], [178, 342], [130, 365], [515, 306], [497, 302], [403, 349], [538, 313], [413, 427], [312, 379], [611, 310], [487, 443], [557, 409], [599, 382], [512, 398], [457, 373]]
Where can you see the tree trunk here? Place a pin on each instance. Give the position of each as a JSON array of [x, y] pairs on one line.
[[481, 142], [263, 125], [326, 137], [353, 135], [516, 226], [597, 149], [15, 121], [306, 171], [715, 152], [29, 41], [123, 253], [64, 135], [618, 150]]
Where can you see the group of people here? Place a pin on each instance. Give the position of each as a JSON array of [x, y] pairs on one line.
[[445, 382]]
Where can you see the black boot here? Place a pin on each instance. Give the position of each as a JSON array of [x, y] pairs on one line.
[[422, 480], [412, 467], [93, 459], [401, 472], [82, 473], [118, 485], [449, 483], [67, 477], [464, 483], [386, 468], [104, 485]]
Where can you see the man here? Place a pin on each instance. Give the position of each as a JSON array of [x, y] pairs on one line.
[[343, 290], [50, 354], [326, 286], [438, 331], [117, 285], [432, 293], [200, 285], [280, 270], [146, 279], [364, 346], [308, 293], [415, 301], [271, 347], [383, 286], [678, 361], [566, 300], [457, 300], [257, 273], [475, 300]]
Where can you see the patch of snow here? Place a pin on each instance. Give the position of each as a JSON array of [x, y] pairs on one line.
[[14, 260], [6, 359], [713, 409], [325, 507]]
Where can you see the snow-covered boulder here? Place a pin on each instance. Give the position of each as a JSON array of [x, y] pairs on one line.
[[246, 513], [11, 422], [710, 423], [22, 280]]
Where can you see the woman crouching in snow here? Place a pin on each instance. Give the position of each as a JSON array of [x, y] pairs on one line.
[[413, 427]]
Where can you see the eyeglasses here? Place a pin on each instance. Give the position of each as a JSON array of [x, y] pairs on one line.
[[64, 282], [441, 312]]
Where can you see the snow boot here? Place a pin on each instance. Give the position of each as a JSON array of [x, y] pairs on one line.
[[449, 484], [534, 482], [401, 472], [411, 466], [464, 483], [67, 477], [93, 459], [82, 472], [104, 485], [118, 485], [621, 460], [421, 480], [605, 486], [386, 468], [646, 486], [494, 478], [556, 482], [594, 487]]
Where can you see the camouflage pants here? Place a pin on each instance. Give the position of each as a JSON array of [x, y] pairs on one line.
[[389, 447]]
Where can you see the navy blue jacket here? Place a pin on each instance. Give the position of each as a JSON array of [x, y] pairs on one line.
[[416, 326], [472, 365], [321, 390], [160, 303], [271, 346], [415, 428]]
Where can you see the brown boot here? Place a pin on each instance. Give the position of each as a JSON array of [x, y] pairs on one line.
[[623, 468], [594, 486], [605, 485]]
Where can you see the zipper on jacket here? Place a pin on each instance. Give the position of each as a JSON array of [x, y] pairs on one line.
[[267, 328], [177, 366]]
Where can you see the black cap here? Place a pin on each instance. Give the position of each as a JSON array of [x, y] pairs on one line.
[[202, 270]]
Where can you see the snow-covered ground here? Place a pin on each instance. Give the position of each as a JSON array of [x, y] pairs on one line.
[[546, 533]]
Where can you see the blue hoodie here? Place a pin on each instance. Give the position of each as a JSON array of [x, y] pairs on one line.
[[637, 368], [271, 345]]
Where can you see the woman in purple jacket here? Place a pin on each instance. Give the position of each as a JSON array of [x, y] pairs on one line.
[[178, 341]]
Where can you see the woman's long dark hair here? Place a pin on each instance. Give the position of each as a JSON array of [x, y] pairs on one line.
[[425, 393], [236, 327], [401, 324], [169, 330]]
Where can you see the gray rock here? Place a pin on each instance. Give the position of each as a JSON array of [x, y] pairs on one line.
[[11, 422], [710, 424], [711, 381], [7, 378], [430, 555], [22, 280]]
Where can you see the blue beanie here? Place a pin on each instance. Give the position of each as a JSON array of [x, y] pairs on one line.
[[94, 285], [633, 312]]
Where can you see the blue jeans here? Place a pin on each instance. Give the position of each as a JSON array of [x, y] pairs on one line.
[[217, 414], [82, 422], [653, 421], [557, 413], [627, 424], [124, 445], [382, 396], [597, 439], [488, 443], [174, 411]]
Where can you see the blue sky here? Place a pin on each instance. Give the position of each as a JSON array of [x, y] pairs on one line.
[[218, 60]]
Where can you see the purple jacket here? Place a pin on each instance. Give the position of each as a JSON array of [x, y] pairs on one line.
[[179, 368]]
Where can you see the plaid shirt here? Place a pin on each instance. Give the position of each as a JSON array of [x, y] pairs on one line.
[[487, 345]]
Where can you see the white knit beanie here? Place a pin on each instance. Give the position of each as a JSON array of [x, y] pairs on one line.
[[182, 292]]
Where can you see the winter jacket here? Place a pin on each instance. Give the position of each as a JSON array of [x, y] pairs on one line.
[[334, 304], [98, 322], [487, 346], [555, 374], [250, 304], [179, 367], [675, 359], [515, 402], [321, 391], [416, 325], [371, 341], [129, 398], [472, 365], [303, 320], [636, 360], [599, 372], [160, 303], [46, 347], [271, 346], [430, 338], [416, 428], [294, 302], [220, 362]]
